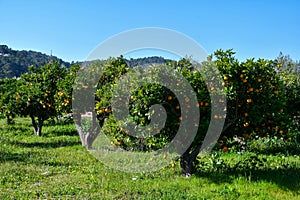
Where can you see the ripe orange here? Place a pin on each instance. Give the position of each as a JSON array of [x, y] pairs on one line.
[[241, 75], [170, 98], [224, 84], [180, 118], [177, 107], [249, 100], [245, 81], [281, 131], [276, 92], [226, 78], [225, 148], [107, 110], [246, 114], [259, 80], [251, 89], [246, 124]]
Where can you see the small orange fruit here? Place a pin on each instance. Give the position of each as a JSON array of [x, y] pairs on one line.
[[170, 98], [249, 100]]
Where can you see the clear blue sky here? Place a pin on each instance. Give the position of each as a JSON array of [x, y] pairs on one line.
[[72, 29]]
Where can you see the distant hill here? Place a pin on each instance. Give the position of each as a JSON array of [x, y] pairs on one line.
[[13, 62]]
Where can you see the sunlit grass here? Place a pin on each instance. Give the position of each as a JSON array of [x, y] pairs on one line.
[[56, 166]]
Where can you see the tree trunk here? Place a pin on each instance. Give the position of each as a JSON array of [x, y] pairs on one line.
[[9, 120], [87, 137], [187, 160], [37, 127]]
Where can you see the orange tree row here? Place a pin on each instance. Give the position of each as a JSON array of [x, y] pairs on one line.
[[41, 93], [256, 103]]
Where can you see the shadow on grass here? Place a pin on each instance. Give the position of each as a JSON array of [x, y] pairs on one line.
[[287, 178], [17, 157], [47, 144], [59, 132]]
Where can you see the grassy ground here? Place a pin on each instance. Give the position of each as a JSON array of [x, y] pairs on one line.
[[56, 166]]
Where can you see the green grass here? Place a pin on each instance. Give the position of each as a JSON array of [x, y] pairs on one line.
[[55, 166]]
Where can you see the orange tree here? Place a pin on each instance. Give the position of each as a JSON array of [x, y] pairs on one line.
[[140, 102], [256, 101], [37, 91], [8, 99], [256, 104], [63, 94], [288, 71]]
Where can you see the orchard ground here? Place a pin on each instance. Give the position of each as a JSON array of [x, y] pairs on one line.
[[57, 166]]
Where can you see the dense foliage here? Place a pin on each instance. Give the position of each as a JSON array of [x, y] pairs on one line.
[[262, 100]]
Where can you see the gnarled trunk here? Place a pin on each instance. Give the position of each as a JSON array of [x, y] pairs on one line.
[[87, 138], [87, 134], [187, 160]]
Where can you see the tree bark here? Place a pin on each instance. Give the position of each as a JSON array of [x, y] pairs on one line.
[[187, 160], [9, 121], [37, 126], [87, 137]]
